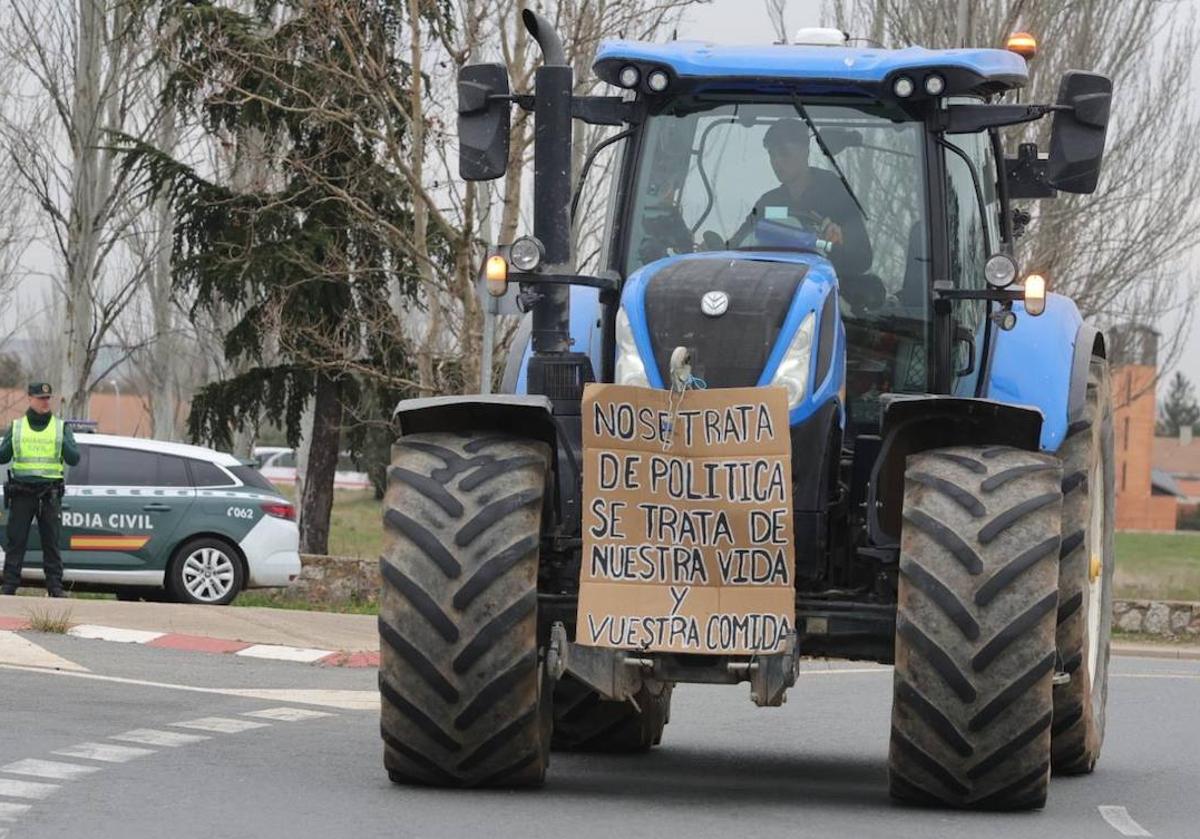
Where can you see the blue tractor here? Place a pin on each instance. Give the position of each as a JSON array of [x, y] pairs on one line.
[[838, 222]]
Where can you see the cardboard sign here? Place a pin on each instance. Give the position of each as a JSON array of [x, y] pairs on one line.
[[687, 520]]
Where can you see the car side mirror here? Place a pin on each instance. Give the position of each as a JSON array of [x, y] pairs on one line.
[[1078, 133], [483, 121]]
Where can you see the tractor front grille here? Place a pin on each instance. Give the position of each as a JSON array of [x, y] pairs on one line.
[[732, 349]]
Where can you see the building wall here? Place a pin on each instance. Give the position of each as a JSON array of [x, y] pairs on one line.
[[1133, 438], [129, 415]]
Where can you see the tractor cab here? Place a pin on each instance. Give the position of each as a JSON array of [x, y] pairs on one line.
[[855, 164]]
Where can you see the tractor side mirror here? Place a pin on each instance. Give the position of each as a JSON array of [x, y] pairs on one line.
[[1077, 135], [483, 121]]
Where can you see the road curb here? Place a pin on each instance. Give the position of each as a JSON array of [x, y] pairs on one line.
[[342, 658], [202, 644], [1170, 651]]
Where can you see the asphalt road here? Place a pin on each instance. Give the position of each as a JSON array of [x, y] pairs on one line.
[[814, 768]]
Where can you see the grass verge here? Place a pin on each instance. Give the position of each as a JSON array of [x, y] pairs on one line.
[[355, 523], [1120, 637], [281, 600], [1158, 566]]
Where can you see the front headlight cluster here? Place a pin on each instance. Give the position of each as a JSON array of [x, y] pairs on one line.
[[630, 368], [793, 368]]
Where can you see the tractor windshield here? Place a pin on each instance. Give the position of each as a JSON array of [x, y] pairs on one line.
[[719, 174]]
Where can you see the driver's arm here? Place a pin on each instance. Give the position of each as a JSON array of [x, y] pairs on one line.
[[853, 254]]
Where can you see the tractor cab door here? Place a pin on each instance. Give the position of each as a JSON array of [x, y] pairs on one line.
[[973, 234]]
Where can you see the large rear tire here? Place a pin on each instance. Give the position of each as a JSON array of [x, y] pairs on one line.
[[466, 700], [585, 722], [1085, 581], [975, 625]]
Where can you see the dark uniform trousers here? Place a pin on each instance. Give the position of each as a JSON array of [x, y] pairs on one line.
[[31, 501]]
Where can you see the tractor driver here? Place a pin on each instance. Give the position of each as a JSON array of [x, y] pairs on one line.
[[814, 197]]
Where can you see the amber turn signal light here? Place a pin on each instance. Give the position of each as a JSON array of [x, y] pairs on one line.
[[1023, 44], [1035, 294], [496, 274]]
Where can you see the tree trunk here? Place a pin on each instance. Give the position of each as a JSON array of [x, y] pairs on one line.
[[164, 361], [317, 499], [82, 235], [302, 453]]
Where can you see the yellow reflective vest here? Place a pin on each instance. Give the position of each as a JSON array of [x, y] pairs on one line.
[[37, 454]]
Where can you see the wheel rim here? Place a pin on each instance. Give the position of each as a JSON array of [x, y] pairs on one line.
[[1095, 549], [208, 574]]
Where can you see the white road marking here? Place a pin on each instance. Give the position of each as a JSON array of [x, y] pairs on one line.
[[843, 671], [287, 714], [113, 633], [1119, 819], [154, 737], [1187, 676], [349, 700], [280, 653], [105, 752], [11, 812], [15, 649], [221, 725], [52, 769], [13, 788]]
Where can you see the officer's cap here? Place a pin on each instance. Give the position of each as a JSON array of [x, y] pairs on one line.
[[40, 389]]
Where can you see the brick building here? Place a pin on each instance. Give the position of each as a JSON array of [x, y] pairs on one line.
[[1179, 457], [1140, 506]]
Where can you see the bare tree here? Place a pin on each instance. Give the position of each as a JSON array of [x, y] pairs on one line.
[[84, 61], [777, 15], [1123, 253], [474, 31]]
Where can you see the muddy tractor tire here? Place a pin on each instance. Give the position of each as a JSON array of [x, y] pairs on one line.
[[975, 648], [1085, 581], [585, 722], [466, 701]]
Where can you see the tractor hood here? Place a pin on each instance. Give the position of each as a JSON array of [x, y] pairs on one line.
[[738, 314]]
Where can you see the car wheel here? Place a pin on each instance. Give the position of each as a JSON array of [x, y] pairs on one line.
[[205, 571]]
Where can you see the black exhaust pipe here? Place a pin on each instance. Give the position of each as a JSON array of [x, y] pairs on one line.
[[553, 84]]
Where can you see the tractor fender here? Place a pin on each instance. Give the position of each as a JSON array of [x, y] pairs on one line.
[[916, 423], [1042, 362], [1089, 344], [522, 415]]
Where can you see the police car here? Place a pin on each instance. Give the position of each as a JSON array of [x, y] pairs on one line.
[[144, 517]]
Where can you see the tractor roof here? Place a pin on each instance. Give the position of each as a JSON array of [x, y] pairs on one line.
[[694, 64]]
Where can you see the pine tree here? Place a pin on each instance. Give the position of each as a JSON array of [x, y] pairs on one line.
[[1179, 409], [299, 253]]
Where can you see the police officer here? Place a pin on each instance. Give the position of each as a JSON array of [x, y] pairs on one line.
[[38, 444]]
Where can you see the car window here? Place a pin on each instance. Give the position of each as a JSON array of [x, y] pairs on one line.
[[285, 460], [346, 464], [251, 477], [172, 471], [76, 475], [205, 474], [111, 466]]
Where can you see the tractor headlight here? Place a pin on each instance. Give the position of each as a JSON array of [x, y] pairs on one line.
[[630, 368], [793, 369]]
